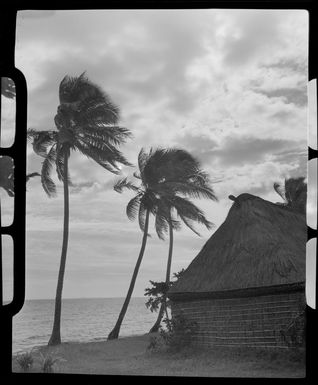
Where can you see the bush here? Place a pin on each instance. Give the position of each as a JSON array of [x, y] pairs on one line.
[[156, 344], [176, 336], [25, 361], [48, 361]]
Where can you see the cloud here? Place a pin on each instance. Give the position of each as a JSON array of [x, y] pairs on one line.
[[252, 34], [298, 64], [233, 150], [201, 146], [289, 95], [247, 150], [228, 86]]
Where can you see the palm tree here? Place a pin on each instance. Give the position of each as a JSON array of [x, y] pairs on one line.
[[8, 88], [187, 183], [86, 122], [294, 193], [163, 173]]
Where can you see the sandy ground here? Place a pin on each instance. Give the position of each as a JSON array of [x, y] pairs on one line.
[[130, 356]]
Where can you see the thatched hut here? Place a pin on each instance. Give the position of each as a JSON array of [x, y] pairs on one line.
[[247, 283]]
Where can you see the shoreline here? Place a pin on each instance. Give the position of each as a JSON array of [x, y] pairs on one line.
[[129, 356]]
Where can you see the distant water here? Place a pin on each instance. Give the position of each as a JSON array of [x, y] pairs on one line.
[[83, 320]]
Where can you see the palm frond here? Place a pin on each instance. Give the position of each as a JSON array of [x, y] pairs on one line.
[[61, 149], [98, 156], [98, 110], [132, 208], [88, 100], [296, 193], [142, 161], [46, 180], [294, 188], [137, 175], [8, 88], [42, 140], [103, 151], [173, 165], [7, 174], [190, 211], [142, 215], [161, 225], [32, 175], [187, 189], [114, 135], [124, 183], [189, 224], [175, 223]]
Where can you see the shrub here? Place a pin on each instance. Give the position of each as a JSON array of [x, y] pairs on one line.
[[176, 336], [48, 361], [25, 361], [156, 344]]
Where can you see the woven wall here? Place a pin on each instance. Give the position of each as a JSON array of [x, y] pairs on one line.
[[251, 321]]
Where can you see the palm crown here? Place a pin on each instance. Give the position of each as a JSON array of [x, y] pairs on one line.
[[86, 122], [168, 178], [294, 193]]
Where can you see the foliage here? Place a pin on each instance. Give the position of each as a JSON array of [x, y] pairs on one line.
[[86, 122], [167, 178], [176, 335], [8, 88], [157, 293], [48, 362], [7, 175], [25, 361], [294, 193]]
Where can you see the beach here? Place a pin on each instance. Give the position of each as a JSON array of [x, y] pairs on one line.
[[130, 356]]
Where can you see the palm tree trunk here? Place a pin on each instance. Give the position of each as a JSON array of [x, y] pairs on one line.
[[115, 332], [163, 307], [56, 332]]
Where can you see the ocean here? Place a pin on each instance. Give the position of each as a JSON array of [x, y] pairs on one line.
[[83, 320]]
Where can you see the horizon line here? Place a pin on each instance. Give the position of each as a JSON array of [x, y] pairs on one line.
[[52, 299]]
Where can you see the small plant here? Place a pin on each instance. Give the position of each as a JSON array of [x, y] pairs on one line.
[[156, 344], [48, 361], [178, 332], [25, 361], [156, 295], [176, 336]]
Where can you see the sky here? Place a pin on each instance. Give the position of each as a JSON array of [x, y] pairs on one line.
[[229, 86]]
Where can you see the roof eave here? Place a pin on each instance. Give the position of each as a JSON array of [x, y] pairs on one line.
[[237, 293]]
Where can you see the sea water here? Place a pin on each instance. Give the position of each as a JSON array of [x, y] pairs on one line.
[[83, 320]]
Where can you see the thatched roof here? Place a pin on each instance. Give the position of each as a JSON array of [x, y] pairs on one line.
[[259, 245]]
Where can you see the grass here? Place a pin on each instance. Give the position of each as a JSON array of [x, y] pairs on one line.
[[129, 356]]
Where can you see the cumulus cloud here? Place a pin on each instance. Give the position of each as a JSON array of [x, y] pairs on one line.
[[229, 86], [252, 33], [240, 150], [289, 95]]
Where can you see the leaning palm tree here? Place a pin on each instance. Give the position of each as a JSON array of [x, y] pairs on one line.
[[86, 122], [163, 174], [178, 209], [294, 193]]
